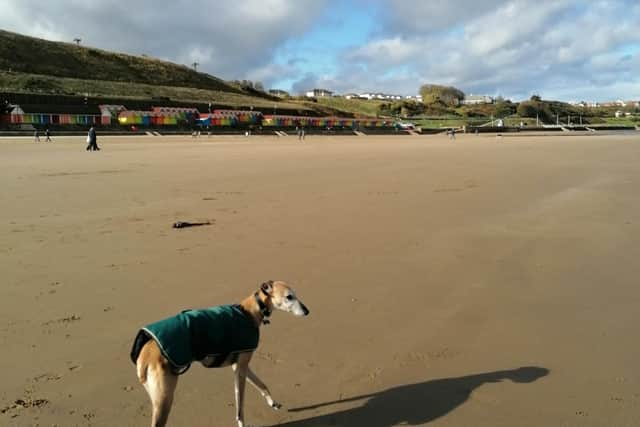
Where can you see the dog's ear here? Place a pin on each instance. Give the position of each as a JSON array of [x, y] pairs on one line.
[[267, 287]]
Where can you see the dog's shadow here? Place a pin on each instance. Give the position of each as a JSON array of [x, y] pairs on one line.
[[412, 404]]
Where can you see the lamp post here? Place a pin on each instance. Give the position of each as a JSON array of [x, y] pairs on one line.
[[77, 41]]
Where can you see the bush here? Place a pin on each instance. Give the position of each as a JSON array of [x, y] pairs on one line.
[[401, 108], [448, 95]]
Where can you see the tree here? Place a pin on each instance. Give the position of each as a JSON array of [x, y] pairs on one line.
[[527, 109], [259, 86], [448, 95], [541, 109], [401, 108], [504, 108]]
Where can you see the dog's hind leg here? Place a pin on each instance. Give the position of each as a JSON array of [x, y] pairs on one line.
[[161, 384], [262, 388], [154, 372]]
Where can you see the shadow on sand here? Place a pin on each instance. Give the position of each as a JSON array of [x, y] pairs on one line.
[[412, 404]]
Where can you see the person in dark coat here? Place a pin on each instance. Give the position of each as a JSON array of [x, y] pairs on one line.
[[48, 135], [92, 139]]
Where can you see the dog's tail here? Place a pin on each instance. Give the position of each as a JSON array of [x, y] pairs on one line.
[[140, 355]]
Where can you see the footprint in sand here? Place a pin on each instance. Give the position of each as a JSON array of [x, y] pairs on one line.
[[64, 320], [47, 377], [468, 186], [24, 402], [72, 366]]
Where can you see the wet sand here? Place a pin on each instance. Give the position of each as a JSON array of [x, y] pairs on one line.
[[482, 282]]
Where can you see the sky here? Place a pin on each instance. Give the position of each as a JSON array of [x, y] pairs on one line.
[[569, 50]]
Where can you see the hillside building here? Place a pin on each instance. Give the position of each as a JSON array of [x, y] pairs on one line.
[[477, 100], [319, 93]]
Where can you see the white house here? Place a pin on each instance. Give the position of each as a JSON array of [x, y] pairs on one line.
[[477, 99], [318, 93], [417, 98], [279, 93]]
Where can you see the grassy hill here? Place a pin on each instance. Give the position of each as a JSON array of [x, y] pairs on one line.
[[33, 65], [22, 54], [42, 84], [355, 106]]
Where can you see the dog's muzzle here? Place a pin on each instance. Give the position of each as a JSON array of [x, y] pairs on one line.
[[305, 310]]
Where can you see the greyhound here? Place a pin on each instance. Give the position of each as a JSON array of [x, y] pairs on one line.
[[165, 349]]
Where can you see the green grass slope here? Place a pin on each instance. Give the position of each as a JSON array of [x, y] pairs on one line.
[[31, 55]]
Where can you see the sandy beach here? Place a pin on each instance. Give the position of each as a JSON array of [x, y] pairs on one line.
[[482, 282]]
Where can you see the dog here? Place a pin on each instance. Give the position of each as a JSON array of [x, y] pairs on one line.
[[164, 350]]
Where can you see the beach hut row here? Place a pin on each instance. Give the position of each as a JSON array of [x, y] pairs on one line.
[[323, 122], [170, 116], [314, 122], [174, 110], [216, 119], [242, 117], [58, 119], [381, 124], [111, 110], [152, 118]]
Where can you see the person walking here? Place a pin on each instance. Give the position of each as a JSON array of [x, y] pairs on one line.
[[48, 135], [36, 136], [92, 140]]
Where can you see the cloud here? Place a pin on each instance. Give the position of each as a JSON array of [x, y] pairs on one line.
[[410, 17], [228, 39], [392, 51], [512, 48]]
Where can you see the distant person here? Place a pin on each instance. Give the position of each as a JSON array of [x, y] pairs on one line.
[[36, 136], [452, 134], [92, 140], [48, 135]]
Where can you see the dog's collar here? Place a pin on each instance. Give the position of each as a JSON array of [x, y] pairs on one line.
[[264, 310]]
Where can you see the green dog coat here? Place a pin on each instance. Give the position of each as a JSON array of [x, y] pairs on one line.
[[209, 336]]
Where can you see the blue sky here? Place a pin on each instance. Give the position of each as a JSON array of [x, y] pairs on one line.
[[560, 49], [318, 51]]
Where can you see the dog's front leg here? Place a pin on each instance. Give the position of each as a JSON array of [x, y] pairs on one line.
[[240, 371], [262, 388]]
